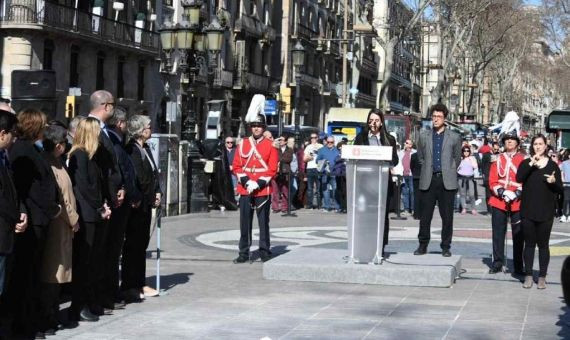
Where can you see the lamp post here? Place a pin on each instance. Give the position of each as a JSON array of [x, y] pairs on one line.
[[298, 56]]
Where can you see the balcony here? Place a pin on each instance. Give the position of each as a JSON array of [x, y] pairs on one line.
[[256, 82], [32, 14], [306, 32], [365, 100], [332, 48], [223, 78], [369, 66]]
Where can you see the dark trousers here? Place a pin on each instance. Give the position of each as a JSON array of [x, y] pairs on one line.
[[49, 305], [137, 237], [536, 233], [247, 205], [312, 182], [499, 219], [115, 240], [23, 291], [88, 256], [417, 191], [341, 192], [444, 198]]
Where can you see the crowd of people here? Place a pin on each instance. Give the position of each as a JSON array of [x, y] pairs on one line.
[[75, 218]]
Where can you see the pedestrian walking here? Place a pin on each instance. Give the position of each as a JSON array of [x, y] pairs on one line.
[[375, 133], [255, 165], [137, 233], [94, 212], [541, 180], [407, 188], [505, 203], [565, 170], [466, 175], [439, 153], [339, 171]]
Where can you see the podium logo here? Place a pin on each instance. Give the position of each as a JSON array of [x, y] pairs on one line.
[[356, 152]]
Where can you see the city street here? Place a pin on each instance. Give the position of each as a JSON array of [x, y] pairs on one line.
[[209, 297]]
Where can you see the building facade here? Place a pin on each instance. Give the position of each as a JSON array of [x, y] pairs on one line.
[[89, 46]]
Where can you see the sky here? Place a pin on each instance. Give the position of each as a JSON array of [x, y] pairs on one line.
[[533, 2]]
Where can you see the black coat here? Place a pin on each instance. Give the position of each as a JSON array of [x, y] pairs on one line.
[[127, 170], [539, 197], [88, 185], [415, 166], [107, 161], [9, 210], [362, 139], [35, 183], [147, 181]]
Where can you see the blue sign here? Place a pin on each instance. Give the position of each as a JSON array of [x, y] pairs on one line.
[[270, 107]]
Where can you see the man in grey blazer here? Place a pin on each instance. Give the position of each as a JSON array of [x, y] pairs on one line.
[[439, 154]]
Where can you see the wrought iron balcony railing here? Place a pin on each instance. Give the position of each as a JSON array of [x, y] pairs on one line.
[[71, 20]]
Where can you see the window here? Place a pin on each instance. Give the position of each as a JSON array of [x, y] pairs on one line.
[[140, 81], [100, 78], [48, 55], [74, 67], [121, 77]]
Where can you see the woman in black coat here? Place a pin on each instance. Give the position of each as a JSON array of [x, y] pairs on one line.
[[37, 189], [88, 243], [541, 181], [375, 133], [137, 235]]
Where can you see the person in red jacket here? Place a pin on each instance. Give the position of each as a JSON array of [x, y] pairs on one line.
[[255, 164], [505, 202]]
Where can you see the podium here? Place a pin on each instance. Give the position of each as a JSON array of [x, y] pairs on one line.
[[367, 171]]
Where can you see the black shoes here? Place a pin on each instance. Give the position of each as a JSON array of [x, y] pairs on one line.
[[422, 250], [495, 269], [86, 315], [265, 257], [445, 253], [40, 335], [241, 259]]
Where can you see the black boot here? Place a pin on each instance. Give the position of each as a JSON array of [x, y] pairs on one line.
[[242, 258], [422, 249]]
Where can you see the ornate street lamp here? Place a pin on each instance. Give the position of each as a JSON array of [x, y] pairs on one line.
[[199, 42], [168, 41], [298, 56], [215, 34], [192, 11]]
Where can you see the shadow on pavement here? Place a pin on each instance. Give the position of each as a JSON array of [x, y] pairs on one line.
[[168, 282]]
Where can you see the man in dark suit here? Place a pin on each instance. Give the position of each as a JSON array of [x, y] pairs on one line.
[[117, 129], [102, 108], [439, 154], [13, 218]]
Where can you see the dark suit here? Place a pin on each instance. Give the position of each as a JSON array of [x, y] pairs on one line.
[[118, 222], [362, 139], [439, 186], [88, 242], [137, 234], [9, 211], [36, 188]]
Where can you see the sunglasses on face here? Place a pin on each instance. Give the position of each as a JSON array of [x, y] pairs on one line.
[[229, 142]]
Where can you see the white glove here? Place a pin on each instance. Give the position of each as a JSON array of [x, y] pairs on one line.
[[509, 196], [251, 186]]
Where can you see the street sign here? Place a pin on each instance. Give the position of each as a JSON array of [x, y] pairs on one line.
[[270, 107], [171, 112]]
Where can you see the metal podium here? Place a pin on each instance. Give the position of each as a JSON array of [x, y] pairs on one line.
[[367, 172]]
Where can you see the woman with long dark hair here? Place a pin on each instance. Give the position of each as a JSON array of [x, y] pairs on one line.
[[465, 176], [375, 133], [542, 182]]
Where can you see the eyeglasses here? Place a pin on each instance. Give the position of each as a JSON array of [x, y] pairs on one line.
[[328, 142], [314, 137], [109, 103], [437, 116], [229, 142]]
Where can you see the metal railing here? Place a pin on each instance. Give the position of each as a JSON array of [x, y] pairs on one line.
[[223, 78], [257, 82], [72, 20]]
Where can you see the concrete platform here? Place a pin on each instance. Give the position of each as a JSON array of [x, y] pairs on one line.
[[329, 265]]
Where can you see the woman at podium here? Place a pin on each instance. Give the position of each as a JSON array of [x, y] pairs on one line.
[[375, 133]]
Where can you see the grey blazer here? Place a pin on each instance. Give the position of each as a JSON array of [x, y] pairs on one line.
[[450, 158]]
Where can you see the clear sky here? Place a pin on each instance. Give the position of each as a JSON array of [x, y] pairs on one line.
[[533, 2]]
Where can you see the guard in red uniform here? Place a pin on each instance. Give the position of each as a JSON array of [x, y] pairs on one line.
[[505, 202], [255, 164]]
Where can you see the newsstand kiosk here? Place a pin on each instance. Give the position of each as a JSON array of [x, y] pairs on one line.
[[367, 171]]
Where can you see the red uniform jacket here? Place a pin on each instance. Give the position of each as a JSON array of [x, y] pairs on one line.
[[502, 176], [257, 162]]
